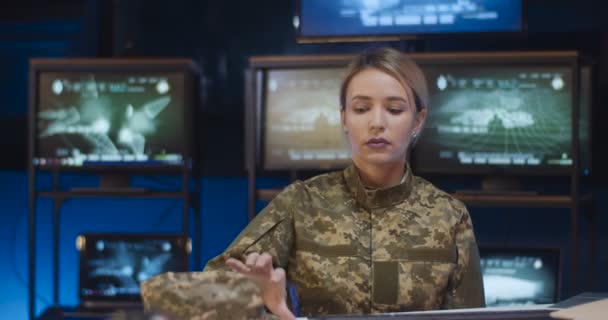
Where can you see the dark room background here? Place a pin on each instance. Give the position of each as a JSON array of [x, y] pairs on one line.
[[220, 36]]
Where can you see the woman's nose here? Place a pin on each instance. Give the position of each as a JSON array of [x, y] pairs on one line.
[[377, 121]]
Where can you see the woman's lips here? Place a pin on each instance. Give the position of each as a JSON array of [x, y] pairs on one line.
[[377, 143]]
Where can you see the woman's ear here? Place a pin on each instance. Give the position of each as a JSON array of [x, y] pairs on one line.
[[343, 120], [420, 120]]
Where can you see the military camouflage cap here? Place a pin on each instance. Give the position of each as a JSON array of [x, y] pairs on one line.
[[209, 295]]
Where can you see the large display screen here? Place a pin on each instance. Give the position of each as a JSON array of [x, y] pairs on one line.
[[492, 116], [302, 127], [523, 276], [110, 118], [115, 266], [356, 18]]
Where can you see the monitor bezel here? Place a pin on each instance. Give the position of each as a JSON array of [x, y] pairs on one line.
[[302, 38], [186, 67], [587, 81], [531, 249], [92, 237]]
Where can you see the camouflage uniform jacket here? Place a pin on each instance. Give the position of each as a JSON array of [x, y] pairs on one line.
[[350, 250]]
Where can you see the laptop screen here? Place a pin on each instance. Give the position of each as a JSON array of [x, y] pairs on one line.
[[112, 266], [520, 276]]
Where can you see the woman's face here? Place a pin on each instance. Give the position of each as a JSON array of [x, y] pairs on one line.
[[379, 118]]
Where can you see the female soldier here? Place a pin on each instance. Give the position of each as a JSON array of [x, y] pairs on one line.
[[372, 238]]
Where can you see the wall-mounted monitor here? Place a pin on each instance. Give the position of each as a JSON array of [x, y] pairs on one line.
[[302, 120], [520, 276], [318, 20], [297, 113], [502, 113], [113, 266], [111, 113]]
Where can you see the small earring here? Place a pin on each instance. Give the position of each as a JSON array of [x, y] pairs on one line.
[[414, 135]]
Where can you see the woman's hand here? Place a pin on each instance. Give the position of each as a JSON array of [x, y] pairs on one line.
[[258, 267]]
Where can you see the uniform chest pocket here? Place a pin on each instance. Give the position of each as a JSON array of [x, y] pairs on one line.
[[330, 277], [415, 278]]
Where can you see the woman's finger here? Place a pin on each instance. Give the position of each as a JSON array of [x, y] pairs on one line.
[[251, 259], [238, 266], [264, 262], [278, 276]]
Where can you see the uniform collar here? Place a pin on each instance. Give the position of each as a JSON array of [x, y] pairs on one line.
[[378, 198]]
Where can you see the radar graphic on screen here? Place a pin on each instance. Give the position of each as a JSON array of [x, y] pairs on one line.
[[302, 120], [497, 117], [99, 118]]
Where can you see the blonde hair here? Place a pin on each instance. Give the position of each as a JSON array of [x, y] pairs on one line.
[[393, 63]]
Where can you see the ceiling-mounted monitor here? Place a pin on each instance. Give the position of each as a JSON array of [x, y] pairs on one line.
[[322, 20]]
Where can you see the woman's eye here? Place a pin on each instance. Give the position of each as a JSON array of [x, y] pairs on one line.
[[360, 109], [395, 110]]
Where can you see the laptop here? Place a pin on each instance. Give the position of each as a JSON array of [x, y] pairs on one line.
[[112, 266], [517, 276]]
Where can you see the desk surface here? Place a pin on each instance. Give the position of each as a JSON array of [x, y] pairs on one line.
[[537, 312]]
